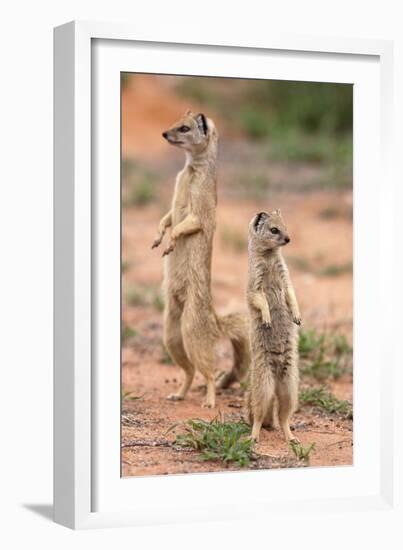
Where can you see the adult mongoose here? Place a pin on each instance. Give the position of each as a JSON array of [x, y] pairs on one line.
[[191, 326]]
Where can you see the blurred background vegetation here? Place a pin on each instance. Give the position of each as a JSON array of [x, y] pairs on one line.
[[307, 122], [274, 135], [282, 144]]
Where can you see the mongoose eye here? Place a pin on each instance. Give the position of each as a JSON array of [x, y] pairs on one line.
[[274, 230], [184, 129]]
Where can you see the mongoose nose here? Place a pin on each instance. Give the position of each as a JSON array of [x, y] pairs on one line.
[[287, 239], [165, 135]]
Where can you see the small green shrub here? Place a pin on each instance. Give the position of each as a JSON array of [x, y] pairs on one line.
[[323, 399], [140, 194], [254, 122], [158, 301], [322, 355], [135, 296], [139, 184], [128, 396], [125, 266], [310, 341], [128, 333], [218, 440], [149, 295], [301, 452], [341, 345], [333, 212], [333, 270]]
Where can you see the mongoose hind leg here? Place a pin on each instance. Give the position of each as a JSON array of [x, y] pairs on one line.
[[174, 343], [287, 394], [260, 402], [199, 338], [268, 421], [202, 355], [262, 417], [205, 363]]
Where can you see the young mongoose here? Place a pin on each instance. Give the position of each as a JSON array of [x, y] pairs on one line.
[[274, 314], [191, 326]]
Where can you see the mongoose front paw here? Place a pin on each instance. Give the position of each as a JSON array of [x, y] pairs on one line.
[[168, 250], [266, 324], [297, 320], [157, 242]]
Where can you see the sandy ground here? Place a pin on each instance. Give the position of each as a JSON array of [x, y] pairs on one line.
[[320, 244]]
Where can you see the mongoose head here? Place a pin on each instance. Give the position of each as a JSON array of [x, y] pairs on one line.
[[192, 132], [269, 230]]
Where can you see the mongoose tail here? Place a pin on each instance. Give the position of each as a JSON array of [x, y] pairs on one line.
[[235, 326]]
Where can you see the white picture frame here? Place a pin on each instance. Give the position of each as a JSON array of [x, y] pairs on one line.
[[88, 490]]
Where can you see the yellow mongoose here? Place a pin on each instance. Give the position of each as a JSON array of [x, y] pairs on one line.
[[274, 315], [191, 327]]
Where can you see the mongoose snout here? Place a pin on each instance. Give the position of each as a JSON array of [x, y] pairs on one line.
[[191, 132]]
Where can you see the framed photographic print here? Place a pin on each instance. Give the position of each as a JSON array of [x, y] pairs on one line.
[[219, 262]]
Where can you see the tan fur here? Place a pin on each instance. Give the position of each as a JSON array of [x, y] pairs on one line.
[[191, 327], [274, 315]]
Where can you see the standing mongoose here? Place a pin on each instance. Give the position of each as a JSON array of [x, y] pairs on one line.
[[191, 326], [274, 314]]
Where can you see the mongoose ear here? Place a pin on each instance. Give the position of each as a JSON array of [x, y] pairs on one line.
[[278, 212], [260, 218], [202, 123]]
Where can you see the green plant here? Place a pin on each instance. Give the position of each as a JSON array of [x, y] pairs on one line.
[[128, 396], [333, 212], [218, 440], [301, 452], [139, 184], [323, 356], [310, 341], [125, 266], [341, 345], [245, 384], [124, 79], [333, 270], [128, 333], [323, 399], [157, 300], [137, 295], [254, 122], [140, 194], [301, 122], [322, 369]]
